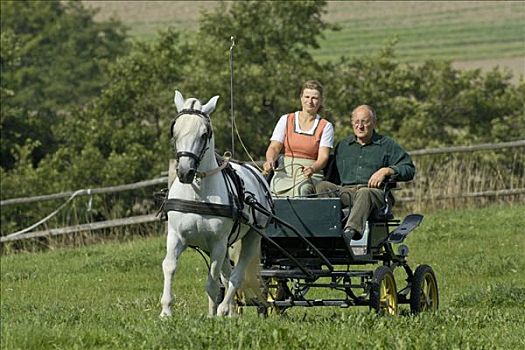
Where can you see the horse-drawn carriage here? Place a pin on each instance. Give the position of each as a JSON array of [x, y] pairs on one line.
[[305, 261], [302, 252]]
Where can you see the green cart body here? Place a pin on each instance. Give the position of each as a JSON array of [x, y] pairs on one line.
[[304, 250]]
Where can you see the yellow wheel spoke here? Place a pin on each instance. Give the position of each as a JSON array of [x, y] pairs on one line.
[[388, 296]]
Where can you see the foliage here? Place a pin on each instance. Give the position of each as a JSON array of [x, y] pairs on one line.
[[107, 296], [53, 56], [122, 135], [271, 61], [113, 140], [126, 125], [431, 104]]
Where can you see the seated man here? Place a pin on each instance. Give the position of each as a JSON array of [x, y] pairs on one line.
[[363, 161]]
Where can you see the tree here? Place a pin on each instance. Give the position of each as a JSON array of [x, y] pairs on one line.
[[127, 125], [430, 104], [60, 54], [121, 136]]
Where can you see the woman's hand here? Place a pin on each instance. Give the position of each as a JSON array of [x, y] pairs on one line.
[[308, 171], [268, 166], [272, 153]]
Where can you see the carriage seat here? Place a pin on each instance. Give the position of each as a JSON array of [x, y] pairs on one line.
[[321, 221]]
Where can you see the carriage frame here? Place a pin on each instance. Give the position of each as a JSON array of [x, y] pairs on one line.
[[305, 261]]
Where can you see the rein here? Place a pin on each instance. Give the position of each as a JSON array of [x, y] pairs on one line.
[[203, 174]]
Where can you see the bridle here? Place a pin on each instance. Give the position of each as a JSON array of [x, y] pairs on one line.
[[208, 134]]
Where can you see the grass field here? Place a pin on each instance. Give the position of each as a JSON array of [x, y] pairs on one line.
[[472, 34], [106, 296]]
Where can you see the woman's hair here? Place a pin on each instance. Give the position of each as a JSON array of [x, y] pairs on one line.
[[314, 85]]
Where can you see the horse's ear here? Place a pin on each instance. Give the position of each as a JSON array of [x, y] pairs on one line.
[[179, 100], [210, 106]]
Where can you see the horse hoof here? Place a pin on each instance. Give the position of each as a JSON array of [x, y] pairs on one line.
[[165, 314], [223, 311]]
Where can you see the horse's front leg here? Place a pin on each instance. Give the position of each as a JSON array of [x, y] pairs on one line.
[[225, 279], [174, 247], [213, 286]]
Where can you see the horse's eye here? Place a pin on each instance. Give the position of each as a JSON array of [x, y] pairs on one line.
[[204, 136]]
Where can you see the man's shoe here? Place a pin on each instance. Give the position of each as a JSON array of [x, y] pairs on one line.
[[349, 234], [357, 235]]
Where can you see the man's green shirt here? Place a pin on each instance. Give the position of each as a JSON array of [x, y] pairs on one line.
[[356, 162]]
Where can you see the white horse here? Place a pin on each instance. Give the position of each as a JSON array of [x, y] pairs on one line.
[[199, 181]]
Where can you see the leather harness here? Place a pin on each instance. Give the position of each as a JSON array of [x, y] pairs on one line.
[[234, 184]]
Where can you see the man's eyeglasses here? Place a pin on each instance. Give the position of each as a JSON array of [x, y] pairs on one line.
[[361, 122]]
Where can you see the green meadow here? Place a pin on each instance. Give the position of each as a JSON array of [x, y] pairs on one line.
[[106, 296], [472, 34]]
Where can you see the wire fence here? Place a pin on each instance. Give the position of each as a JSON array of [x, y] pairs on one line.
[[446, 177]]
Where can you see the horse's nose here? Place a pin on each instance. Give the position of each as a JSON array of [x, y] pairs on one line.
[[186, 177]]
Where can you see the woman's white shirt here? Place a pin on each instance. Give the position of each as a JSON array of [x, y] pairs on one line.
[[327, 137]]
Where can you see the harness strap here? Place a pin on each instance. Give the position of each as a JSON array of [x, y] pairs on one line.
[[268, 195], [192, 111], [236, 183], [204, 208], [237, 200], [236, 196]]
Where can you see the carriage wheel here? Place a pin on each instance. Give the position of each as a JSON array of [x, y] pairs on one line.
[[424, 294], [275, 289], [383, 292]]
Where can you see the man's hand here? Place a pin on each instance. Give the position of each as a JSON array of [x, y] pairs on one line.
[[377, 178]]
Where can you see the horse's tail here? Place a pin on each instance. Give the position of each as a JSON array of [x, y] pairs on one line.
[[250, 290]]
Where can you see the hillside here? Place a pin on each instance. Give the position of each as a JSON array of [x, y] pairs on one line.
[[474, 34]]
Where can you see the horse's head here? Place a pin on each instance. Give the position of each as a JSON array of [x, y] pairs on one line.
[[192, 133]]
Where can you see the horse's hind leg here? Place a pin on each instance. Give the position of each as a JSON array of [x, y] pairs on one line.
[[169, 265], [250, 249], [213, 286], [226, 272]]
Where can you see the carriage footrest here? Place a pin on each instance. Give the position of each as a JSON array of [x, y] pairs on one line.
[[320, 302], [408, 225], [316, 273]]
